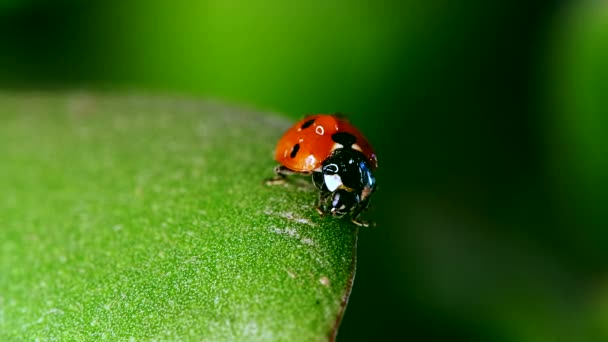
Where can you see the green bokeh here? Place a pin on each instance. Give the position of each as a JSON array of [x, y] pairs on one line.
[[580, 148]]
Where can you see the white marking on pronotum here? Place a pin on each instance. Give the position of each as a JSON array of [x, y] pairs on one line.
[[332, 182], [320, 130], [355, 147]]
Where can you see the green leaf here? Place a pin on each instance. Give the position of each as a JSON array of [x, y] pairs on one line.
[[145, 217]]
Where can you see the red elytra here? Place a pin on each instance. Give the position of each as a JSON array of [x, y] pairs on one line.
[[305, 146]]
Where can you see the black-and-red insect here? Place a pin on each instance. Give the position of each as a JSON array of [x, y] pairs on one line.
[[338, 156]]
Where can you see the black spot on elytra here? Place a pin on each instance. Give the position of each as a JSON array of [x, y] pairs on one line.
[[295, 150], [343, 138], [307, 123]]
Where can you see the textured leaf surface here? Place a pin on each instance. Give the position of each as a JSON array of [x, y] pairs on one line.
[[130, 216]]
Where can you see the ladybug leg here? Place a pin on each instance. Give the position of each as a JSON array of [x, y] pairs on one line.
[[317, 179], [323, 195], [281, 173], [362, 223], [357, 212], [319, 182]]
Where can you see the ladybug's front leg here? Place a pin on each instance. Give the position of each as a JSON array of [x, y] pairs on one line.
[[363, 223], [356, 212], [319, 182], [359, 222], [322, 199]]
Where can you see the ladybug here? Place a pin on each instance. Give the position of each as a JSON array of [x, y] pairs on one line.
[[339, 158]]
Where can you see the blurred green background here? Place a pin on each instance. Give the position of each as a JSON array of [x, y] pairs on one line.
[[490, 121]]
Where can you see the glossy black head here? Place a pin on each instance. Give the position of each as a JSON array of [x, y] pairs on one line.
[[345, 182], [347, 168]]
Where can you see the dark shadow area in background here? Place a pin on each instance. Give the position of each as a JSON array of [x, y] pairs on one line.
[[51, 44], [465, 144]]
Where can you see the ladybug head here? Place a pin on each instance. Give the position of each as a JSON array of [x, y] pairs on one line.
[[345, 180], [342, 202]]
